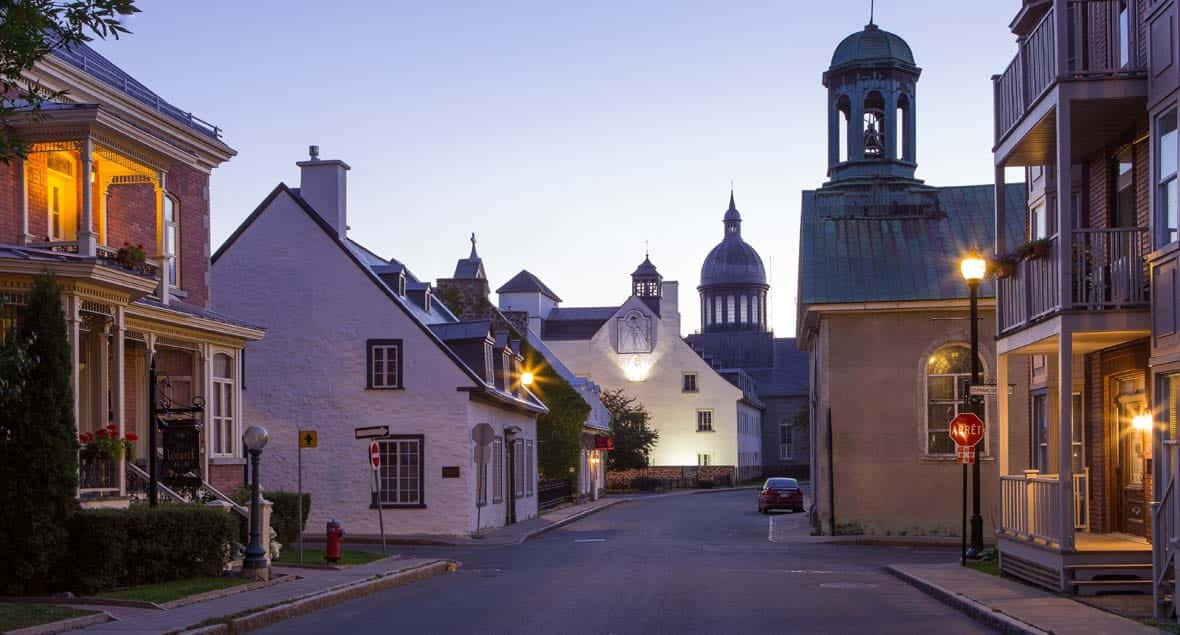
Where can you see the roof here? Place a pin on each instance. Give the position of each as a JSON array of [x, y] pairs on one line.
[[790, 374], [872, 45], [195, 311], [575, 323], [646, 268], [525, 282], [896, 245], [473, 330], [733, 261], [92, 63]]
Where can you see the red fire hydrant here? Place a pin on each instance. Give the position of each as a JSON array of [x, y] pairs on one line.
[[332, 548]]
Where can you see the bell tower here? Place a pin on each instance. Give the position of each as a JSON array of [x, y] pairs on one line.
[[872, 98]]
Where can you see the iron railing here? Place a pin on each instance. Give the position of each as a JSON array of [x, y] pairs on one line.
[[1165, 536], [551, 493]]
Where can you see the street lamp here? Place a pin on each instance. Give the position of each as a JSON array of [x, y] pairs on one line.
[[255, 563], [974, 267]]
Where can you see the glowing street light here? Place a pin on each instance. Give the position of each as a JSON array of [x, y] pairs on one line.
[[974, 267]]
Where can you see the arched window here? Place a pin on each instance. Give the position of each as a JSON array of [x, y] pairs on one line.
[[222, 405], [171, 214], [730, 310], [948, 375], [874, 125], [755, 312]]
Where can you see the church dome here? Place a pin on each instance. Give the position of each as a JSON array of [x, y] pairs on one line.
[[872, 45], [733, 261]]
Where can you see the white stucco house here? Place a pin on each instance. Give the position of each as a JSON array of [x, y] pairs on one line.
[[360, 342], [702, 418]]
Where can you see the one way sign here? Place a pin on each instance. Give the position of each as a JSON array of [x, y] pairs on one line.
[[308, 439]]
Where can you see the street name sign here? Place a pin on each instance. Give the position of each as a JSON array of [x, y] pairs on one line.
[[372, 431]]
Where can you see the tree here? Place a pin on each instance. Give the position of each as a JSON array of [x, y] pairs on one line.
[[30, 30], [38, 443], [559, 432], [634, 439]]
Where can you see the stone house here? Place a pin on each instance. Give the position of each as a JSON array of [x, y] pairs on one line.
[[360, 342]]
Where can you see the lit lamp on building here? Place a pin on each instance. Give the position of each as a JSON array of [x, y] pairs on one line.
[[526, 378], [974, 267], [254, 566]]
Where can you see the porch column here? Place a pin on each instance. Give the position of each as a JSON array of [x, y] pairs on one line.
[[856, 128], [1002, 406], [1064, 167], [118, 394], [74, 323], [24, 238], [1065, 436], [87, 241]]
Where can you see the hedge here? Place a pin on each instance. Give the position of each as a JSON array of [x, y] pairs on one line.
[[283, 513], [116, 548]]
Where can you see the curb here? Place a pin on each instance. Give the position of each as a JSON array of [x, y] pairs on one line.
[[993, 618], [62, 626], [315, 602], [220, 593], [565, 521]]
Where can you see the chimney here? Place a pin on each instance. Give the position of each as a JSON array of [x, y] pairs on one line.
[[324, 185]]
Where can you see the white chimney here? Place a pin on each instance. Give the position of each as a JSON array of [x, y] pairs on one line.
[[324, 184]]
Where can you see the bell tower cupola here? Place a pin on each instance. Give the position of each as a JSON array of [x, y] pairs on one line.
[[872, 121]]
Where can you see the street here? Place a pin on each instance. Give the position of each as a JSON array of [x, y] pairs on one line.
[[677, 564]]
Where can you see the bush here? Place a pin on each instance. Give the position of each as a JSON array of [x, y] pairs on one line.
[[704, 484], [114, 548], [283, 514], [645, 483]]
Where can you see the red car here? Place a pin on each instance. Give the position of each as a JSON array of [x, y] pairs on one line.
[[780, 493]]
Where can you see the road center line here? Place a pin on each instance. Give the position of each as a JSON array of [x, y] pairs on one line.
[[770, 531], [590, 540]]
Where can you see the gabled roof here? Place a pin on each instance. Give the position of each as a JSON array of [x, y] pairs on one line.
[[859, 249], [361, 258], [473, 330], [525, 282]]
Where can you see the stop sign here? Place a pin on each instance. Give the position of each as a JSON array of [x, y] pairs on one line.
[[375, 455], [967, 429]]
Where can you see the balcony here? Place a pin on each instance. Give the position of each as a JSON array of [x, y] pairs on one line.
[[1100, 43], [1108, 273]]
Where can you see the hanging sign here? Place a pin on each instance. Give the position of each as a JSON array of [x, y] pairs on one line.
[[182, 455]]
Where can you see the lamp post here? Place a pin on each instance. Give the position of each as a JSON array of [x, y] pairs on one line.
[[974, 267], [255, 563]]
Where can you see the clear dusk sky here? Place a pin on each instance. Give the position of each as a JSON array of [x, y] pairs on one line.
[[564, 134]]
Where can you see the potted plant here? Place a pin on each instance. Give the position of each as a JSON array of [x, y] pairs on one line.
[[131, 256], [1033, 249], [105, 443], [1002, 266]]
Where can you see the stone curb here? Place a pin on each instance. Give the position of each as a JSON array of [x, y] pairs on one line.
[[324, 599], [62, 626], [993, 618], [220, 593], [565, 521]]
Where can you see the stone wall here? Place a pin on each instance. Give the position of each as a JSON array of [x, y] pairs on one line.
[[673, 476]]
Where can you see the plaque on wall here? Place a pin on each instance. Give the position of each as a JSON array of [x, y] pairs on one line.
[[182, 455], [450, 471], [634, 333]]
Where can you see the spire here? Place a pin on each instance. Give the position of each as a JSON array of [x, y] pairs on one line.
[[733, 218], [473, 255], [872, 10]]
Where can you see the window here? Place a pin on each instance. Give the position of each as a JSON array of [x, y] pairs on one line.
[[518, 468], [1040, 431], [1038, 220], [488, 373], [1079, 436], [757, 319], [1122, 213], [401, 471], [703, 459], [529, 480], [717, 313], [222, 406], [745, 310], [730, 317], [1124, 34], [948, 374], [498, 470], [62, 192], [385, 364], [704, 420], [1165, 189], [690, 382], [786, 440], [171, 240]]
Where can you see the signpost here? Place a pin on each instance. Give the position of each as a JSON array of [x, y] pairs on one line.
[[375, 462], [307, 439], [370, 432], [482, 434], [966, 429]]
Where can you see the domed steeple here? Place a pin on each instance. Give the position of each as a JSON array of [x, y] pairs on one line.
[[646, 281], [872, 93], [733, 281]]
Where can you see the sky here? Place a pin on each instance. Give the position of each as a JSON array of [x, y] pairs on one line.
[[565, 135]]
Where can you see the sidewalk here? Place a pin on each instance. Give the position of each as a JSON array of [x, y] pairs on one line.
[[314, 588], [1012, 607]]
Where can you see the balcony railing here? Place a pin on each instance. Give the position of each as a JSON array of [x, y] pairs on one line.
[[1030, 507], [1108, 274], [1099, 45]]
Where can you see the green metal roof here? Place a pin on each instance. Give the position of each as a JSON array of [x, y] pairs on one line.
[[872, 45]]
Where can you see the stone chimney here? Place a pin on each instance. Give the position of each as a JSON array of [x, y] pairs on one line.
[[324, 185]]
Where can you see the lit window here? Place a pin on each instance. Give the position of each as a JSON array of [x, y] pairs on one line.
[[704, 420], [1167, 222], [730, 310], [718, 314], [172, 240], [948, 374], [690, 382], [222, 405], [745, 310], [703, 459], [400, 474], [385, 364]]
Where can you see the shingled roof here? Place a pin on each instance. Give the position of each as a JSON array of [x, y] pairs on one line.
[[525, 282], [903, 248]]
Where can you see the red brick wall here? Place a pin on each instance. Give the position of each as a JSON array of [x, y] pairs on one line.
[[1095, 412], [130, 216], [226, 478], [189, 187], [10, 203], [1099, 195], [35, 168]]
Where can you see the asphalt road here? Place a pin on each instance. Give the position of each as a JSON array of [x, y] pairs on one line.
[[684, 564]]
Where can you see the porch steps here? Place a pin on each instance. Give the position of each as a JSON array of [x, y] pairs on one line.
[[1092, 579]]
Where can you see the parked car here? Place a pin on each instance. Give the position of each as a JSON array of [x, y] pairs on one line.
[[780, 493]]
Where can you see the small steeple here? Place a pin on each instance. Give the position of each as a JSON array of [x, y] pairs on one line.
[[733, 218], [473, 255]]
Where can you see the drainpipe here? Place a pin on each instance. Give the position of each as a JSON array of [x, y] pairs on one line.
[[831, 480]]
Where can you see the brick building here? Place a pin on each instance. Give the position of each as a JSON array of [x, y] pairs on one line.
[[113, 166]]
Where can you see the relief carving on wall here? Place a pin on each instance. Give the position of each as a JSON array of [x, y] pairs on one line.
[[634, 333]]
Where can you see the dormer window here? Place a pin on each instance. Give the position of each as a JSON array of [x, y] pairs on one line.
[[401, 284], [489, 373], [426, 300]]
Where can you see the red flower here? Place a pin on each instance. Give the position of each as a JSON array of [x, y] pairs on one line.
[[140, 245], [112, 427], [131, 436], [101, 433], [126, 244], [85, 437]]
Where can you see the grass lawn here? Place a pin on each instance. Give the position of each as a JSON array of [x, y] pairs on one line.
[[988, 566], [168, 591], [315, 555], [14, 616]]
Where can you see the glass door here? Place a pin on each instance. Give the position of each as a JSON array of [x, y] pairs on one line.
[[1130, 453]]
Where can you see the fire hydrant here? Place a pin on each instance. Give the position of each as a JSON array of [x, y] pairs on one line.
[[332, 548]]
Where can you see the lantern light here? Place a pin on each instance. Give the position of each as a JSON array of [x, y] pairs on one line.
[[973, 267]]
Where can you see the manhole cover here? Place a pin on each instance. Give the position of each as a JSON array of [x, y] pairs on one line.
[[847, 585]]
